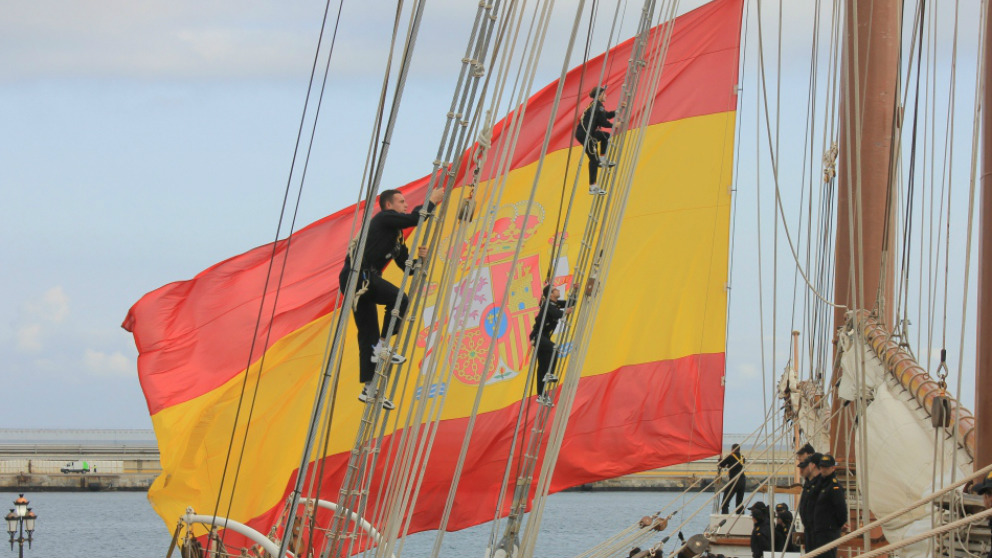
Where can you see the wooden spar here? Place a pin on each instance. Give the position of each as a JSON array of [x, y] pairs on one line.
[[915, 380], [867, 111], [983, 351]]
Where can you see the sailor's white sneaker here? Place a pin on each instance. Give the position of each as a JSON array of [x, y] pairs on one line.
[[595, 190], [604, 162], [545, 400], [368, 395], [382, 351], [550, 378]]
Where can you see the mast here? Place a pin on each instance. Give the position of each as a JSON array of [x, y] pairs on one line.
[[867, 128], [983, 352]]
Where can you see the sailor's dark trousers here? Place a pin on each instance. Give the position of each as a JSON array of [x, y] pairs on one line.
[[821, 537], [596, 146], [734, 488], [545, 360], [380, 293]]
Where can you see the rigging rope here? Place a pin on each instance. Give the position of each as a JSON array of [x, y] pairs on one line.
[[587, 309]]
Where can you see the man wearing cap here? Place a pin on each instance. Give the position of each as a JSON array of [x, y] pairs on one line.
[[811, 476], [830, 508], [984, 489], [593, 139], [734, 463], [783, 529], [761, 540]]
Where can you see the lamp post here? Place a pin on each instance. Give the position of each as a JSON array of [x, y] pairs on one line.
[[19, 520]]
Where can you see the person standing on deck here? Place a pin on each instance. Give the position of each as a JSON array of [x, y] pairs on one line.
[[593, 138], [806, 472], [540, 337], [783, 529], [761, 538], [810, 500], [734, 463], [385, 242], [830, 512]]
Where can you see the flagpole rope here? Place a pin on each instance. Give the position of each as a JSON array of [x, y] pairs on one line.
[[588, 309], [415, 300], [526, 460]]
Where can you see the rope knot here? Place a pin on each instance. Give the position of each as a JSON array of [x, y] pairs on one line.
[[830, 163], [358, 294]]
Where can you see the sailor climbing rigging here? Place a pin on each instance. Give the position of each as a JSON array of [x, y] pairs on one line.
[[384, 243], [540, 337], [593, 139]]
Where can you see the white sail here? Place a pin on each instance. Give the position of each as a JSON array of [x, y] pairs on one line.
[[907, 459]]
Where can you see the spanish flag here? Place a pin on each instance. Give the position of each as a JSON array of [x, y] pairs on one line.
[[650, 392]]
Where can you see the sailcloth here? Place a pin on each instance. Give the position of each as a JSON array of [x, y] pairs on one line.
[[651, 389]]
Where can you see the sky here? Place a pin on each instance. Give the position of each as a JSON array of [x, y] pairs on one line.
[[143, 142]]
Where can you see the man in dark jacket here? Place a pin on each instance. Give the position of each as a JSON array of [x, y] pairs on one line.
[[384, 243], [811, 474], [734, 463], [761, 538], [783, 529], [540, 337], [593, 138], [830, 507]]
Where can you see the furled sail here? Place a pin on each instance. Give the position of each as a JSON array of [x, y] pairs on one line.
[[907, 458], [651, 389]]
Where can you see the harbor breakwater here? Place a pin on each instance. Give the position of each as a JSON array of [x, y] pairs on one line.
[[94, 460]]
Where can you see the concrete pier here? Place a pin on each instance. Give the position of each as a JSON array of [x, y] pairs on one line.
[[33, 460]]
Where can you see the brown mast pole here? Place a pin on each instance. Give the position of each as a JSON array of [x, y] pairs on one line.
[[870, 75], [983, 351]]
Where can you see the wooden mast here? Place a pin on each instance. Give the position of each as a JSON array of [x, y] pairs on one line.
[[983, 351], [870, 78]]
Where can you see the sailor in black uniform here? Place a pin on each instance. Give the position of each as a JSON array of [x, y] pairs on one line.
[[734, 463], [540, 337], [761, 538], [783, 529], [830, 507], [593, 138], [809, 483], [384, 243]]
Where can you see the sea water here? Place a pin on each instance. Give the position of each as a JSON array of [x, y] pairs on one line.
[[123, 524]]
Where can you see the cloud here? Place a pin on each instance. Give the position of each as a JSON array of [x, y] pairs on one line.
[[186, 39], [115, 38], [29, 338], [114, 364], [747, 371], [51, 308]]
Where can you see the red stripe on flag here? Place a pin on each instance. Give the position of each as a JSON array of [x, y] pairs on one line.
[[640, 417]]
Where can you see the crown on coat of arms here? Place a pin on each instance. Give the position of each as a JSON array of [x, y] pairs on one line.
[[500, 242]]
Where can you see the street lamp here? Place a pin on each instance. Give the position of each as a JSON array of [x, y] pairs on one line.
[[21, 519]]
